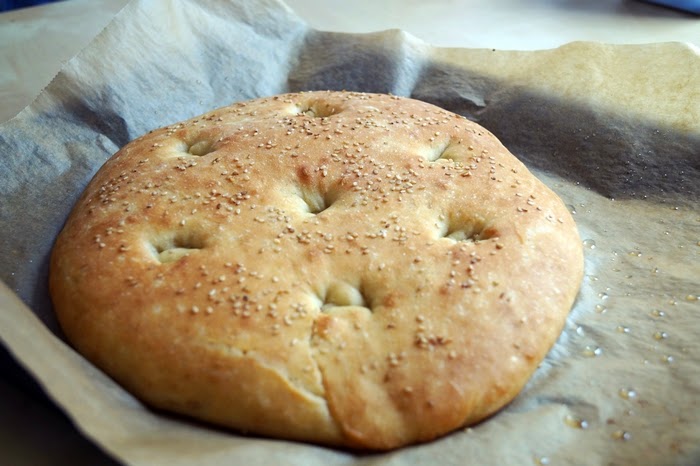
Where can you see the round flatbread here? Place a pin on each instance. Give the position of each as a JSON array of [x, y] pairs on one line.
[[351, 269]]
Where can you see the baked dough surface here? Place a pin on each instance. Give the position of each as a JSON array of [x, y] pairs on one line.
[[350, 269]]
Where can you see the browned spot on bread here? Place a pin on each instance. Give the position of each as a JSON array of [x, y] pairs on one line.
[[323, 325], [390, 300], [305, 174]]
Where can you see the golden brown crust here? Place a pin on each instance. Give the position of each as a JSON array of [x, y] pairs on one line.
[[343, 268]]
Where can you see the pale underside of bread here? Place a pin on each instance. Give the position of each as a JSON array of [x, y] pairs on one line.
[[348, 269]]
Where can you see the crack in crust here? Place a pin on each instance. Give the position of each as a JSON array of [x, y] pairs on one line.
[[318, 369]]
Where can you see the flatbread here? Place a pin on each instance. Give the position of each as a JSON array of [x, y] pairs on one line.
[[350, 269]]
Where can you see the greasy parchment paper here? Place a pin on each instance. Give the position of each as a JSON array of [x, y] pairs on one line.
[[614, 130]]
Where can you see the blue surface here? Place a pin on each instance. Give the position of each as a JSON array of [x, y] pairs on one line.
[[6, 5], [687, 5]]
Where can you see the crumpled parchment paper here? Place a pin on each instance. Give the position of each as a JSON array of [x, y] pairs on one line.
[[614, 130]]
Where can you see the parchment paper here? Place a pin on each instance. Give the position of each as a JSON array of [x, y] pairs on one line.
[[614, 130]]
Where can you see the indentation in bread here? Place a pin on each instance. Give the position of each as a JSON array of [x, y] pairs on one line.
[[173, 245]]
